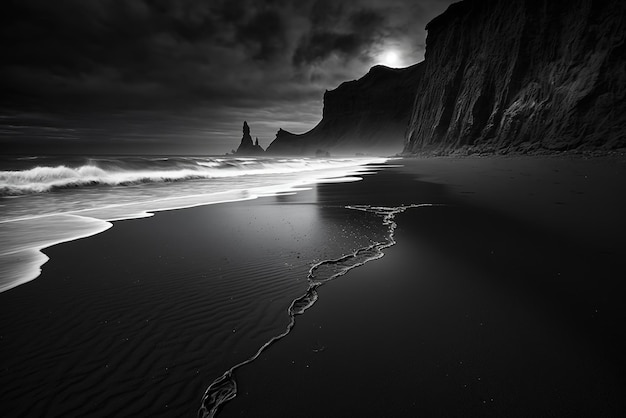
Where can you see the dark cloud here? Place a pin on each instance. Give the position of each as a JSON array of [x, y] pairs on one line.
[[319, 46], [326, 13], [182, 71], [367, 21], [334, 31], [266, 31]]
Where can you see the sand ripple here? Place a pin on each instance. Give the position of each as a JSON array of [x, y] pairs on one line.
[[119, 332], [224, 388]]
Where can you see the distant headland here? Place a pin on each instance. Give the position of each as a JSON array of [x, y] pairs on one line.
[[498, 77]]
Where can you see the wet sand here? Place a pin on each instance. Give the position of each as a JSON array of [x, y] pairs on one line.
[[140, 319], [507, 301]]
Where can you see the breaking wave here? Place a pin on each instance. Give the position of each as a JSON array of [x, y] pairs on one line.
[[136, 170], [33, 216]]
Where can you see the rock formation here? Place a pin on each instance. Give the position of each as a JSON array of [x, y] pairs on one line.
[[522, 75], [366, 115], [247, 147]]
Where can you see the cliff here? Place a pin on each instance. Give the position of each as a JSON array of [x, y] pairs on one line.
[[522, 75], [365, 115], [247, 147]]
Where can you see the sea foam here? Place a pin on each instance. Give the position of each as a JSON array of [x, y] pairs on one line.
[[132, 171], [47, 205], [224, 388]]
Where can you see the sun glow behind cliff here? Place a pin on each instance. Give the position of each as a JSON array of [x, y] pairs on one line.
[[390, 58]]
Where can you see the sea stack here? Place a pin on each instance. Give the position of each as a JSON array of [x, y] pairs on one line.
[[247, 147]]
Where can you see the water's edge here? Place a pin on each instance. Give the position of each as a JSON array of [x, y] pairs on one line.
[[21, 254], [224, 388]]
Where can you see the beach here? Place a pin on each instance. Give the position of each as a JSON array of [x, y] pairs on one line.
[[501, 297]]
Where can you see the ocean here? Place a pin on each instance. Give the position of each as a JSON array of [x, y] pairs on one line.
[[46, 200]]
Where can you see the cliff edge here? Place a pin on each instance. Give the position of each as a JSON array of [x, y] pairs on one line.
[[522, 75], [365, 115]]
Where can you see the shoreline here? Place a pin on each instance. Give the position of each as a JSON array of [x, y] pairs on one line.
[[371, 322], [197, 290], [92, 221]]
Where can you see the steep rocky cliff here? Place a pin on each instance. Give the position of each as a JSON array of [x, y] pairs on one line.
[[366, 115], [522, 75]]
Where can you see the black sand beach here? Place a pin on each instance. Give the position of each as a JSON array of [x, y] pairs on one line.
[[507, 301], [139, 320]]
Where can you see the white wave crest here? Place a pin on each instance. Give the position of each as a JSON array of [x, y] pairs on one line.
[[44, 179]]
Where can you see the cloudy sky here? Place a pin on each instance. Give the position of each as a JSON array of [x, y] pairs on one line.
[[181, 76]]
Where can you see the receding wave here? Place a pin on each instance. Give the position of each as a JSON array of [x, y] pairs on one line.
[[31, 212], [131, 171], [224, 388]]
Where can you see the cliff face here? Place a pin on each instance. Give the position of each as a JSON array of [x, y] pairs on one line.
[[366, 115], [522, 75]]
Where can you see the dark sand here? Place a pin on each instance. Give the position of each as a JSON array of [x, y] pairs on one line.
[[506, 302], [509, 302], [139, 320]]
